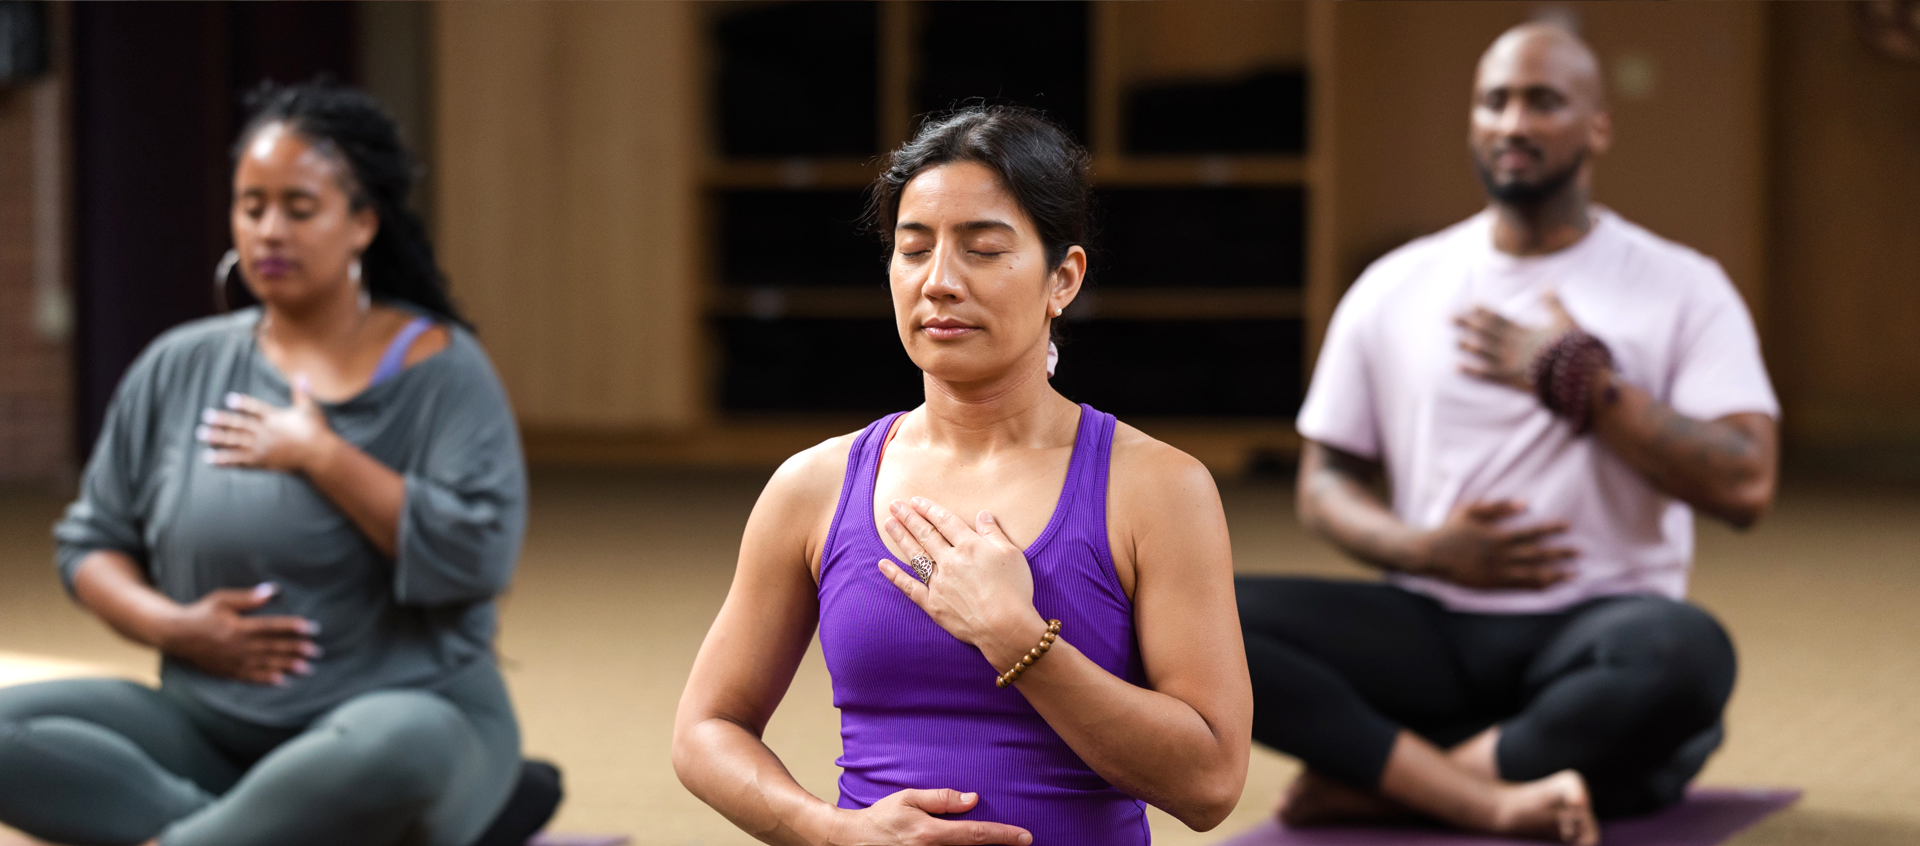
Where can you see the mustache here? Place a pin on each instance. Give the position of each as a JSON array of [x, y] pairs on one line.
[[1518, 147]]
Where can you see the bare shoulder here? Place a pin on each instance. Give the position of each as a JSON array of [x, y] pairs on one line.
[[1145, 466], [812, 476], [795, 511], [1163, 512]]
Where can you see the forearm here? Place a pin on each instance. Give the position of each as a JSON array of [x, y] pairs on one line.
[[1724, 467], [1155, 747], [109, 584], [1336, 501], [368, 492], [728, 767]]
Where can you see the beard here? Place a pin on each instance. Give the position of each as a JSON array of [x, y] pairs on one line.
[[1529, 194]]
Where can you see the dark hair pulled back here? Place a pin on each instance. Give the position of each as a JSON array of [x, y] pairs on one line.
[[350, 125], [1039, 164]]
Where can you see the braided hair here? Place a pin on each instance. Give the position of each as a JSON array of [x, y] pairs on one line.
[[351, 126]]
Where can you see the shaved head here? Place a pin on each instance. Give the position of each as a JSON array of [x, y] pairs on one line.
[[1539, 115], [1549, 50]]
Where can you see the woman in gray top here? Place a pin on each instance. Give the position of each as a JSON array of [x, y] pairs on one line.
[[307, 508]]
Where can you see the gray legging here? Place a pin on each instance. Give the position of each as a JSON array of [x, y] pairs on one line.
[[98, 762]]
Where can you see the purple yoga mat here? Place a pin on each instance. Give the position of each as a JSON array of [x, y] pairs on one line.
[[1709, 815]]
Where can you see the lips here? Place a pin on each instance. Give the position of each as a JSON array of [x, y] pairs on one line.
[[947, 329], [1515, 157], [271, 266]]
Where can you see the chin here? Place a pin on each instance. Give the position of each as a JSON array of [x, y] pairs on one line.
[[952, 364], [286, 293]]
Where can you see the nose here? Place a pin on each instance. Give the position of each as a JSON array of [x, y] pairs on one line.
[[1513, 120], [945, 279], [273, 223]]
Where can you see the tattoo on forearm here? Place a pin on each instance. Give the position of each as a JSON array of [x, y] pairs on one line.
[[1682, 444]]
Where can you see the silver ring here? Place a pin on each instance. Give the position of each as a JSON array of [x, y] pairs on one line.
[[922, 567]]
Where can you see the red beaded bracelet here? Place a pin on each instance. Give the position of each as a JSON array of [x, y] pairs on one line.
[[1563, 373]]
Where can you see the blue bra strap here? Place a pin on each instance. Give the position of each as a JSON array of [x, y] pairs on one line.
[[394, 359]]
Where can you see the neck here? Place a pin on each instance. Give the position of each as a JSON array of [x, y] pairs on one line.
[[1017, 409], [330, 322], [1554, 224]]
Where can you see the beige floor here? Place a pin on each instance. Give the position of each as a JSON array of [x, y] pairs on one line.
[[623, 573]]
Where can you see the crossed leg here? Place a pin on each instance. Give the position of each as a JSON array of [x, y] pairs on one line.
[[110, 763], [1622, 696]]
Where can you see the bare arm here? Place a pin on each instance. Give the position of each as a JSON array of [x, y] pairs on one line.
[[1179, 743], [1338, 499], [211, 633], [743, 671], [1726, 467], [748, 661]]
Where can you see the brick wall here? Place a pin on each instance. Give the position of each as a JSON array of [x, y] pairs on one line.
[[36, 402]]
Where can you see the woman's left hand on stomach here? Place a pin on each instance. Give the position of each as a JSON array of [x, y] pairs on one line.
[[255, 434], [981, 589]]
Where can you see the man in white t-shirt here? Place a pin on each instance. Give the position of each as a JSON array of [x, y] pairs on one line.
[[1550, 393]]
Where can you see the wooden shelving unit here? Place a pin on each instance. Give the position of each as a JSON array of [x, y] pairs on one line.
[[1126, 43]]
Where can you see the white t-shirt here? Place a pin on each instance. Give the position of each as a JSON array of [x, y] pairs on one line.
[[1388, 387]]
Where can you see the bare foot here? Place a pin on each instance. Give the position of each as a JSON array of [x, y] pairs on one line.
[[1316, 799], [1552, 808]]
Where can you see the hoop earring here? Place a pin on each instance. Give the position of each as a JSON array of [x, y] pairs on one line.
[[223, 279], [353, 272]]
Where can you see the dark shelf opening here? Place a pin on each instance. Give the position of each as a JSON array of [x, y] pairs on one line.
[[1200, 238], [1031, 54], [797, 238], [799, 79], [1193, 368], [813, 365], [1261, 113], [1187, 368]]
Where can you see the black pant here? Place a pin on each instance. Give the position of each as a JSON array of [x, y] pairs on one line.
[[1627, 690]]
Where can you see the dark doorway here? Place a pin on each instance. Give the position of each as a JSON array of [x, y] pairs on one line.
[[158, 88]]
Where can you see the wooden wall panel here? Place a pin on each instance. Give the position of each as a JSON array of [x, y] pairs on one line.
[[1689, 153], [1846, 237], [565, 136]]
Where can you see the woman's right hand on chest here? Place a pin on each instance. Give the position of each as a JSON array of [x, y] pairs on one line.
[[906, 819], [214, 634]]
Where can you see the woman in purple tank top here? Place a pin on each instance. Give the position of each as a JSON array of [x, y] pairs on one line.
[[1038, 670]]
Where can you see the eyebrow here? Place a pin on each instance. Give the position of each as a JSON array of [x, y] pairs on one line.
[[969, 226], [1526, 90]]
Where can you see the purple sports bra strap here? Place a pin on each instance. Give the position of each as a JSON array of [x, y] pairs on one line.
[[394, 359], [1092, 460], [856, 487]]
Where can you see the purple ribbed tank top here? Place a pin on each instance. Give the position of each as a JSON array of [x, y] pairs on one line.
[[918, 708]]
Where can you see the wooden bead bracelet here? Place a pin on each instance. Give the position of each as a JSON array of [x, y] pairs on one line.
[[1046, 642]]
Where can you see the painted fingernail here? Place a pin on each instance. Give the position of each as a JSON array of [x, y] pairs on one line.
[[233, 400], [279, 681], [312, 650], [313, 627], [302, 668], [265, 589], [210, 415], [209, 456], [201, 433]]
